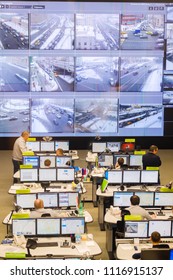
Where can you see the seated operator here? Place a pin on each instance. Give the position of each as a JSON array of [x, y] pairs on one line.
[[156, 240], [135, 209], [59, 152], [40, 210]]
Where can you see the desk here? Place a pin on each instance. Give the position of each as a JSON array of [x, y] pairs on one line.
[[55, 213], [110, 226], [85, 247], [62, 187], [106, 199], [125, 248]]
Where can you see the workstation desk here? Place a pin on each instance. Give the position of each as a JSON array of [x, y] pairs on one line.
[[105, 199], [36, 188], [111, 219], [86, 248], [126, 247]]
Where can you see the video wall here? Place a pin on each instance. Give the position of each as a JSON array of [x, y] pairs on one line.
[[85, 68]]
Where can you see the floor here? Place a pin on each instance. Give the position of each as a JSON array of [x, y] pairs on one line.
[[6, 200]]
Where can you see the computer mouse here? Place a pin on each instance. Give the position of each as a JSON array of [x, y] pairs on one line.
[[73, 247]]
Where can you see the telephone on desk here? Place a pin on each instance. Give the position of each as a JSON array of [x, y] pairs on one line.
[[20, 240], [32, 185]]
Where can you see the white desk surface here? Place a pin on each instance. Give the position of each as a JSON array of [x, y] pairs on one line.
[[113, 218], [64, 187], [110, 189], [56, 213], [89, 246], [125, 251]]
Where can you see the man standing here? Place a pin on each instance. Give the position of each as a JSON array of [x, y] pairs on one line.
[[151, 158], [18, 148]]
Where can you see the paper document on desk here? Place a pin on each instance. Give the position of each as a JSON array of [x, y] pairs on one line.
[[82, 248]]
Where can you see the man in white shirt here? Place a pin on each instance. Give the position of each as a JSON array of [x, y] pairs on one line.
[[18, 148]]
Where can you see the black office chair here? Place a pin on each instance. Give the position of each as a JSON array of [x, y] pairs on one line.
[[120, 224], [46, 215], [155, 254]]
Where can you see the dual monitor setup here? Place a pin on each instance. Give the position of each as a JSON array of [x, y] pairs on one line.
[[47, 174], [47, 146], [114, 147], [144, 229], [51, 199], [48, 226], [147, 199]]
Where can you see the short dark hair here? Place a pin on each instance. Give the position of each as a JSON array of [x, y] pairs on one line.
[[153, 148], [135, 200], [120, 161], [155, 236]]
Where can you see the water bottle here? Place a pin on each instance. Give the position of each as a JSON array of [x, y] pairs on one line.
[[77, 235]]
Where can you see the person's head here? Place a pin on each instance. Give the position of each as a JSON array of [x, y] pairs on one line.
[[38, 203], [47, 162], [120, 161], [25, 135], [153, 149], [59, 152], [135, 200], [155, 237]]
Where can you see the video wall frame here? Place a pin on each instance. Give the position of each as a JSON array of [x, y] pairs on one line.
[[92, 69]]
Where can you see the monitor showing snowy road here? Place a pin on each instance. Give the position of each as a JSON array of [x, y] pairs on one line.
[[97, 68]]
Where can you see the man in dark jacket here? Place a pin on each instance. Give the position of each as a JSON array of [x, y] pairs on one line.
[[151, 158]]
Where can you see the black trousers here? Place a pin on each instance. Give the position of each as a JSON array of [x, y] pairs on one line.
[[16, 167]]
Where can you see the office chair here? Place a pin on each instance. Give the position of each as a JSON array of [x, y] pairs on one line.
[[155, 254], [120, 224]]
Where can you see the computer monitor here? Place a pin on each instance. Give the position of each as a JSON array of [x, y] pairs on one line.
[[29, 175], [65, 174], [162, 226], [48, 226], [64, 145], [146, 198], [121, 199], [47, 146], [98, 147], [171, 254], [149, 176], [114, 176], [33, 145], [46, 160], [105, 160], [131, 177], [127, 147], [135, 160], [114, 147], [47, 174], [63, 161], [68, 199], [125, 157], [26, 201], [155, 254], [50, 199], [163, 199], [31, 160], [136, 229], [70, 225], [25, 227]]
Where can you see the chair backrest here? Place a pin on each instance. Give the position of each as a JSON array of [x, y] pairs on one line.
[[155, 254], [132, 217]]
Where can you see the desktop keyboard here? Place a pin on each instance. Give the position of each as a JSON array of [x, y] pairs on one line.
[[55, 185], [47, 244]]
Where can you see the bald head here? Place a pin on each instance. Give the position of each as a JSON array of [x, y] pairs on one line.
[[38, 203]]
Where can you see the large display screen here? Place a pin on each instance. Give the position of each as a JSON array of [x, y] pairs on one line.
[[88, 69]]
